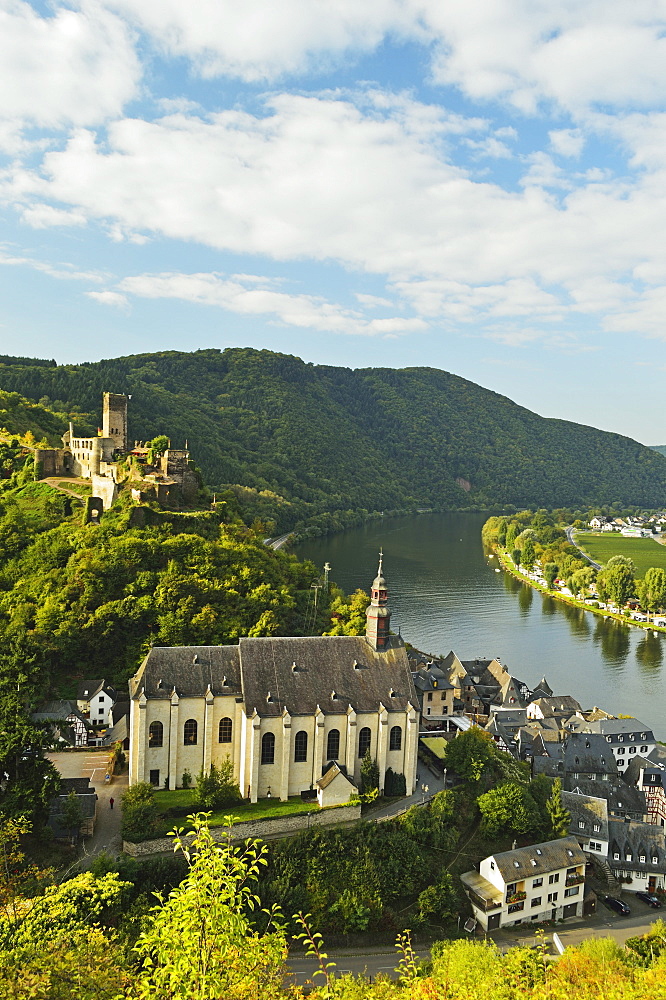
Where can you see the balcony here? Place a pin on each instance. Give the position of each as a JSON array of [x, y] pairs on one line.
[[516, 897], [574, 879], [515, 907]]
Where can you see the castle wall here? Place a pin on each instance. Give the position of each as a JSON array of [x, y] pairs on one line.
[[105, 488], [114, 419]]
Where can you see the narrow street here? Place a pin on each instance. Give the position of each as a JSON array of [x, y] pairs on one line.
[[92, 764]]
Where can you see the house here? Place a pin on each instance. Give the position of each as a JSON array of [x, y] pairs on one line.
[[637, 851], [530, 884], [626, 738], [434, 691], [65, 721], [589, 822], [562, 707], [334, 788], [95, 699], [281, 709], [648, 774], [87, 799]]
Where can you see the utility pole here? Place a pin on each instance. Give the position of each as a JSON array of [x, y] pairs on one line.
[[327, 570]]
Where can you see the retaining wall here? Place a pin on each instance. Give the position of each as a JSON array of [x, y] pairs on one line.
[[265, 829]]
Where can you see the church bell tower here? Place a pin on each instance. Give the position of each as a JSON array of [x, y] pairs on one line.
[[378, 616]]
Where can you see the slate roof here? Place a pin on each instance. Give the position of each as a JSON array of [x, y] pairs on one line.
[[558, 703], [331, 672], [580, 753], [622, 727], [431, 677], [637, 839], [88, 689], [622, 799], [538, 859], [57, 711], [588, 810], [188, 669], [331, 774]]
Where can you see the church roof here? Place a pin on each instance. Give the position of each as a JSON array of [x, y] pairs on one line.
[[190, 670], [274, 674], [329, 672]]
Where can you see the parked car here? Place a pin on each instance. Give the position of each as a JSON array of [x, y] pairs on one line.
[[648, 898], [618, 906]]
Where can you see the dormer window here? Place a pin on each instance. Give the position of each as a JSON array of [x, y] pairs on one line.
[[570, 853], [629, 856], [641, 858], [632, 737], [581, 824], [616, 855], [655, 859], [195, 658], [539, 851], [608, 739], [620, 739], [534, 864], [516, 864]]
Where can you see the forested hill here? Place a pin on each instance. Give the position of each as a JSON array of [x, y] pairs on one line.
[[661, 448], [334, 438]]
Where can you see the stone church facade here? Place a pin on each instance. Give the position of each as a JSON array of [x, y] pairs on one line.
[[282, 709]]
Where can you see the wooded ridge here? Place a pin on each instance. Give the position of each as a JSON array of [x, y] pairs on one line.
[[334, 439]]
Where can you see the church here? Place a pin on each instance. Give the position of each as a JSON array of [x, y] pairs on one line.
[[283, 709]]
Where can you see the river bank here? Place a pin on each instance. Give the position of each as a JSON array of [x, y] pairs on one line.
[[509, 566]]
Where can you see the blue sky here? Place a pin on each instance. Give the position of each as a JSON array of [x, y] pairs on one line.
[[473, 187]]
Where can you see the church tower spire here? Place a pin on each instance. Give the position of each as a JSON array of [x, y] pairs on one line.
[[378, 615]]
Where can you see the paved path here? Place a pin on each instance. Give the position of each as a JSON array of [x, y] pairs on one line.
[[58, 483], [428, 780], [572, 540], [92, 764]]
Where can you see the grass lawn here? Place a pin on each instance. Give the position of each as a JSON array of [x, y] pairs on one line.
[[644, 551], [183, 798]]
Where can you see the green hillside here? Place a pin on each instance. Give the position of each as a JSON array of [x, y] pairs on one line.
[[661, 448], [330, 439]]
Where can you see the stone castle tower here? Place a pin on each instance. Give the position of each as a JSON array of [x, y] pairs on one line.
[[377, 630], [114, 419]]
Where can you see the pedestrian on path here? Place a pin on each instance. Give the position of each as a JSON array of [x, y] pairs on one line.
[[111, 801]]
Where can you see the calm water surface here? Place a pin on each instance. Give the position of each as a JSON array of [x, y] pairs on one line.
[[445, 594]]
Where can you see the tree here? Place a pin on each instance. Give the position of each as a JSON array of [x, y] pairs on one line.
[[529, 553], [652, 589], [217, 788], [619, 560], [72, 815], [550, 572], [139, 812], [200, 942], [31, 780], [515, 555], [159, 444], [619, 582], [440, 901], [508, 807], [369, 773], [470, 753], [558, 816]]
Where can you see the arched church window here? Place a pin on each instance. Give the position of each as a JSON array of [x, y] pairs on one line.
[[333, 745], [155, 734], [190, 733], [301, 747], [225, 731], [395, 739], [364, 740], [268, 748]]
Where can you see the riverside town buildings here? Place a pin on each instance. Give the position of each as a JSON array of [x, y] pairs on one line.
[[282, 709]]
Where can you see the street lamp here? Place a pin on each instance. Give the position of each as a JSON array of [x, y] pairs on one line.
[[445, 769]]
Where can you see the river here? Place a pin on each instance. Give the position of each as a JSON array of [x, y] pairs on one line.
[[445, 594]]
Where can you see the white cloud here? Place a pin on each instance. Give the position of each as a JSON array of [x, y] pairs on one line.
[[66, 272], [78, 65], [41, 216], [109, 298], [567, 141], [373, 301], [250, 297]]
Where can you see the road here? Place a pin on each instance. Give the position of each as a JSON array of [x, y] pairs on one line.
[[604, 923], [570, 536], [278, 543], [92, 764]]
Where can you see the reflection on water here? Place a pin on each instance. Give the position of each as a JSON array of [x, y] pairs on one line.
[[525, 598], [650, 650], [445, 594]]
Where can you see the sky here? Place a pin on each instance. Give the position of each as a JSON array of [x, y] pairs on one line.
[[477, 187]]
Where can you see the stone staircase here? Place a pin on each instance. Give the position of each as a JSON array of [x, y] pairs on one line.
[[603, 881]]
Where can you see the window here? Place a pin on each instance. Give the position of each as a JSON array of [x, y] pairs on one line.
[[364, 739], [395, 739], [655, 859], [644, 749], [620, 739], [581, 824], [155, 778], [643, 736], [429, 695], [553, 878], [632, 737], [225, 731], [608, 739], [268, 748], [641, 858], [616, 855], [632, 749], [573, 891], [427, 711], [596, 827], [155, 734], [190, 733], [536, 901], [620, 750], [594, 846], [301, 747], [629, 856], [576, 774], [333, 745], [536, 882], [552, 897]]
